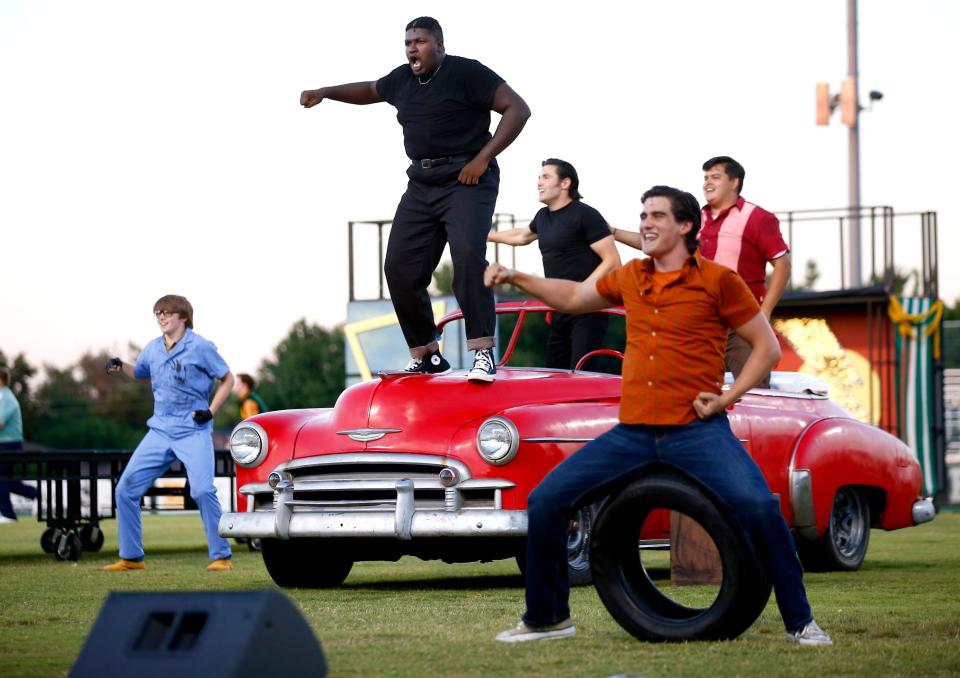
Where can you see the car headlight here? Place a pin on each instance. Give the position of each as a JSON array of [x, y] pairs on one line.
[[498, 440], [248, 444]]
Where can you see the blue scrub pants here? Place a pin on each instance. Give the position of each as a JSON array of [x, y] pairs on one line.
[[153, 456], [704, 449]]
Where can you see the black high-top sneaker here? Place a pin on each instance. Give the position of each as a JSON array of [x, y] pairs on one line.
[[432, 363], [484, 367]]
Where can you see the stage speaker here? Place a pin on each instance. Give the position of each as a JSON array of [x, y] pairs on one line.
[[255, 633]]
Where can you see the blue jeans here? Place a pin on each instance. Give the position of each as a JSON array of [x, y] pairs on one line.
[[11, 484], [704, 449]]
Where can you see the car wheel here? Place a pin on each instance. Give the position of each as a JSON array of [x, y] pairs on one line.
[[304, 563], [628, 589], [578, 544], [844, 545]]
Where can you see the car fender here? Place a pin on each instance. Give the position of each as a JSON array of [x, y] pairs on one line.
[[836, 452], [282, 428]]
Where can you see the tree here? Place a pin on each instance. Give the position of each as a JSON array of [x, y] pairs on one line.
[[810, 277], [896, 280], [82, 407], [307, 369], [443, 279]]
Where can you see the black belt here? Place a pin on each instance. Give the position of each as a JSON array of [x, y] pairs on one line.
[[428, 163]]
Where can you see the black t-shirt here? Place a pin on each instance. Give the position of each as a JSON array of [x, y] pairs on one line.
[[565, 237], [449, 114]]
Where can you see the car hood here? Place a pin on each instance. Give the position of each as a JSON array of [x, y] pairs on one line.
[[420, 413]]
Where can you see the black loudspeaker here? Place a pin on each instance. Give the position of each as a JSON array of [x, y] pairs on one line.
[[256, 633]]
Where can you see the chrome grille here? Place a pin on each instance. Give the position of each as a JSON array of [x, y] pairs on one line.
[[368, 482]]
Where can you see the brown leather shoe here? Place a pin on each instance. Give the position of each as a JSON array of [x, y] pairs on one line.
[[221, 565], [122, 565]]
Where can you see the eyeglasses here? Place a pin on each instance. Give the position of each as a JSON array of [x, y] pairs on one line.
[[164, 314]]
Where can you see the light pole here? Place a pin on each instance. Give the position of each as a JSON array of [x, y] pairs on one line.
[[848, 99], [853, 145]]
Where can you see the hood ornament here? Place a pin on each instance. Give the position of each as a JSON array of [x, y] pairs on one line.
[[365, 435]]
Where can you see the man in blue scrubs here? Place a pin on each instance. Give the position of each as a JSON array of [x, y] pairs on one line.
[[181, 367]]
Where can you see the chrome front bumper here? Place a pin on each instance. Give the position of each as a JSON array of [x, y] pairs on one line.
[[404, 522], [923, 510]]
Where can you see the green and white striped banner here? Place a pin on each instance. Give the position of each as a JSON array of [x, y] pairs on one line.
[[915, 384]]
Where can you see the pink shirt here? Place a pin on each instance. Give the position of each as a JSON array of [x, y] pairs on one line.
[[743, 237]]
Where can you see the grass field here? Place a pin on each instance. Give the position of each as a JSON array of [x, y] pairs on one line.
[[899, 615]]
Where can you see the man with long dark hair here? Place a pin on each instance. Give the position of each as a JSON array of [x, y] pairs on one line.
[[576, 244]]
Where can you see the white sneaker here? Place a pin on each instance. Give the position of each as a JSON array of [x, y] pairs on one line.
[[4, 519], [484, 367], [522, 633], [811, 634]]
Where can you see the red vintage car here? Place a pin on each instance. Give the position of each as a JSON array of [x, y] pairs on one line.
[[440, 468]]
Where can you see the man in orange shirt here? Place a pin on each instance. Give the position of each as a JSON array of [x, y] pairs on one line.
[[672, 409]]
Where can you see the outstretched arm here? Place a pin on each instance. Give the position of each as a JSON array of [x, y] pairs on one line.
[[359, 93], [513, 236], [514, 114], [115, 365], [566, 296], [631, 238], [609, 258]]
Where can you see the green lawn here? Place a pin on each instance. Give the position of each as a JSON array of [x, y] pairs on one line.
[[899, 615]]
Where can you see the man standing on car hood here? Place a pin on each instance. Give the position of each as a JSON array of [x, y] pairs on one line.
[[443, 104]]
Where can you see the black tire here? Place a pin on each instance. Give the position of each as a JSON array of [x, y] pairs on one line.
[[49, 539], [91, 538], [630, 595], [68, 547], [844, 545], [304, 563]]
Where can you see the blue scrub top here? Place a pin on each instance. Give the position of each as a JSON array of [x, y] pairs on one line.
[[181, 380]]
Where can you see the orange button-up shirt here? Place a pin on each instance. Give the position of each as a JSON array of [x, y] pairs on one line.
[[675, 338]]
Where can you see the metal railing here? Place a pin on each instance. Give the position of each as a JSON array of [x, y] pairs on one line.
[[881, 222]]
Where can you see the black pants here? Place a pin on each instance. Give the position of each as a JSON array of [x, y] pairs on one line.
[[436, 210], [572, 337]]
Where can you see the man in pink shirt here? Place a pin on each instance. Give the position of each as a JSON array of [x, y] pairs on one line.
[[744, 237]]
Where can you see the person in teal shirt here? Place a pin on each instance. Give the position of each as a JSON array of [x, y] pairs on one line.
[[11, 440]]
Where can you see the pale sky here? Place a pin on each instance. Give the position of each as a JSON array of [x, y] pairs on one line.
[[159, 147]]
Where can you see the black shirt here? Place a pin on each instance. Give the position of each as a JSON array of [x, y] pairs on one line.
[[565, 237], [447, 115]]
